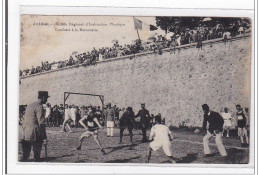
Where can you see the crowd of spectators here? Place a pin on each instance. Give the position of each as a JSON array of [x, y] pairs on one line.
[[54, 115], [155, 43]]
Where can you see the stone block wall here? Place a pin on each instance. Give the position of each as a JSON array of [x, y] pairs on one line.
[[173, 84]]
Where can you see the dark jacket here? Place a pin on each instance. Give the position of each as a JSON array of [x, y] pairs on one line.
[[127, 119], [215, 122], [145, 117], [241, 119]]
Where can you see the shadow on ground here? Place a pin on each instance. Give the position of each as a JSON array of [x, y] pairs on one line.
[[188, 159], [120, 147], [49, 159]]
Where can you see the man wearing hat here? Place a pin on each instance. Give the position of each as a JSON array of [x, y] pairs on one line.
[[215, 127], [33, 128], [110, 115], [144, 121]]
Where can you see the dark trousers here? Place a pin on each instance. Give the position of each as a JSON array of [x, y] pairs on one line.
[[144, 133], [130, 129], [27, 146]]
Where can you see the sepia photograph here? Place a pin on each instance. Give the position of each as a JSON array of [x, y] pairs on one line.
[[135, 89]]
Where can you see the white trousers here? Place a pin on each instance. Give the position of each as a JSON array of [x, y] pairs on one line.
[[219, 144], [110, 128], [165, 145]]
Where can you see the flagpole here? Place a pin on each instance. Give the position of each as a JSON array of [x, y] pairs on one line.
[[138, 34], [137, 30]]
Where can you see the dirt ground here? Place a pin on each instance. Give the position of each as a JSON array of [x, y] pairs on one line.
[[186, 147]]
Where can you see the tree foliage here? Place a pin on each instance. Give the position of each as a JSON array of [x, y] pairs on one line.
[[178, 24]]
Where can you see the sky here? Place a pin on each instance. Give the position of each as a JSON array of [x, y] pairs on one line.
[[53, 42]]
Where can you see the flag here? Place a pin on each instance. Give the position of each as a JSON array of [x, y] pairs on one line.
[[138, 24], [152, 27]]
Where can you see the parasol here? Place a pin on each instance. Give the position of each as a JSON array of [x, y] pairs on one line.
[[206, 19], [146, 42], [74, 53], [169, 35], [115, 41], [152, 38]]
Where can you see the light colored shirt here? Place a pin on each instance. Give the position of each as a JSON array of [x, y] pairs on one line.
[[121, 114], [228, 34], [226, 116], [73, 111], [67, 113], [110, 114], [160, 133], [48, 112]]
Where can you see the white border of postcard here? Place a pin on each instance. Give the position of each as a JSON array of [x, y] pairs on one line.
[[30, 7]]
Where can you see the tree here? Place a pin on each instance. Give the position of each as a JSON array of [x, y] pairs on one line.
[[177, 24]]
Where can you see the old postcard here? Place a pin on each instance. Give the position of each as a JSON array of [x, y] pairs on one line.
[[135, 89]]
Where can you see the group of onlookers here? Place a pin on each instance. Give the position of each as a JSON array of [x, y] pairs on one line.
[[155, 43], [113, 116], [54, 116]]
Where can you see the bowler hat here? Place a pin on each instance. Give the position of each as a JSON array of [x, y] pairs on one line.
[[43, 94]]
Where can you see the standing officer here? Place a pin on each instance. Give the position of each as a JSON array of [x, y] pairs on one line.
[[215, 127], [33, 128], [144, 121]]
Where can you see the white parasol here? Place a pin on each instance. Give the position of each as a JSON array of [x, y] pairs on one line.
[[206, 19]]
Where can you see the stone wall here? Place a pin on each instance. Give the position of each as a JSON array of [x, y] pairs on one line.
[[173, 84]]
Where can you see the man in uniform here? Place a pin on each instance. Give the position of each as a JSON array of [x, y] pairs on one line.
[[33, 128], [215, 127], [144, 121]]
